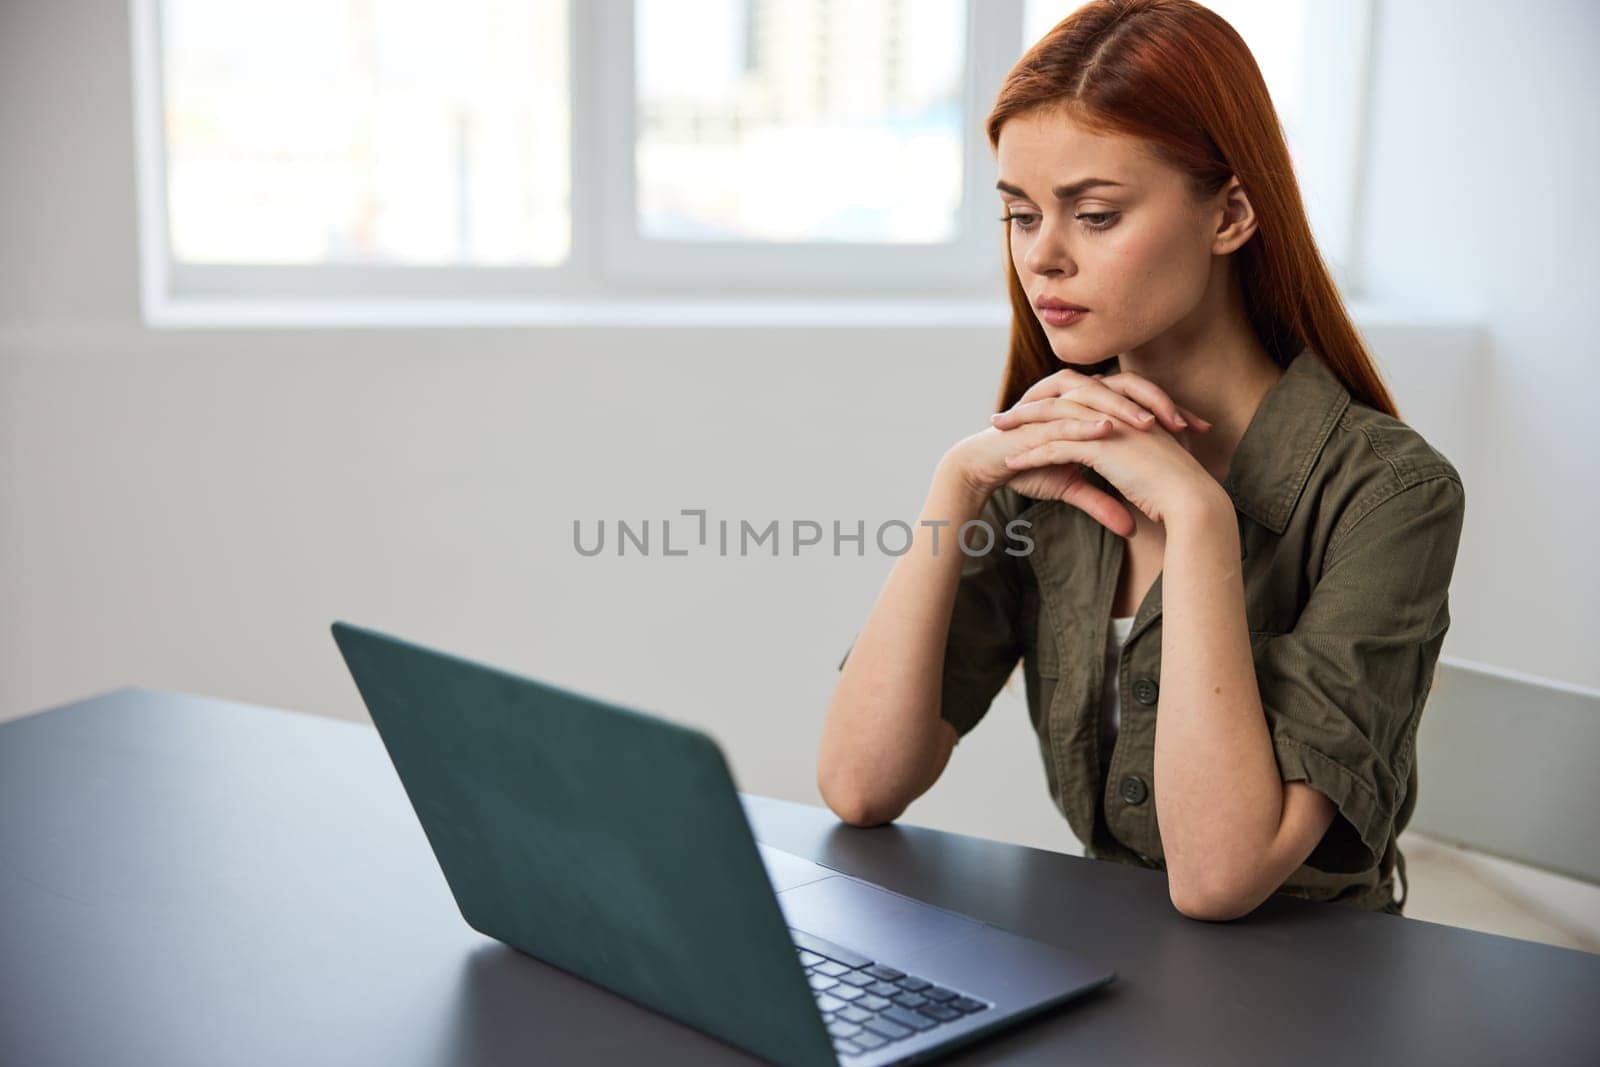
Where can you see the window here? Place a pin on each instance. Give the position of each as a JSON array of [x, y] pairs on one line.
[[391, 135], [576, 157]]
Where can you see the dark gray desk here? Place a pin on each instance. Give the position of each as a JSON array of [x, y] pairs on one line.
[[190, 881]]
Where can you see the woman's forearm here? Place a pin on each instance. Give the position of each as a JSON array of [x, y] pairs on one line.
[[1219, 798], [884, 743]]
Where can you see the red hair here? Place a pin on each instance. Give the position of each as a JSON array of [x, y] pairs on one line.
[[1177, 76]]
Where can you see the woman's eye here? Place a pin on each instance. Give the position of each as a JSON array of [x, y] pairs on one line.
[[1019, 218], [1099, 220], [1106, 219]]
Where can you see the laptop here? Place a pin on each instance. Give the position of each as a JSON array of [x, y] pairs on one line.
[[613, 844]]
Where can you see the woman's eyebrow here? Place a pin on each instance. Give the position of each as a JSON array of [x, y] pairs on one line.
[[1061, 192]]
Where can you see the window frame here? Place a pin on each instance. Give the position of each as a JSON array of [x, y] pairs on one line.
[[614, 277]]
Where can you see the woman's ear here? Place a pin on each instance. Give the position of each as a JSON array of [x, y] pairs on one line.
[[1236, 221]]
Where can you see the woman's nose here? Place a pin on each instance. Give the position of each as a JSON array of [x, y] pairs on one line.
[[1047, 254]]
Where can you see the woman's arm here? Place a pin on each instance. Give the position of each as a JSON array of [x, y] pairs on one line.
[[884, 742], [1231, 829], [891, 724]]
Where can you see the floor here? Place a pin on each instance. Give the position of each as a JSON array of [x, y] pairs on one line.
[[1459, 887]]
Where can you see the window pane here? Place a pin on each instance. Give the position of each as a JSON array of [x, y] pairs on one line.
[[800, 120], [366, 131]]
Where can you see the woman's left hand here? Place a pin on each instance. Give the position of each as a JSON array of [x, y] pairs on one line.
[[1152, 469]]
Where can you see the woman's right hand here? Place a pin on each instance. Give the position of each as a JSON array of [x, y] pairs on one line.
[[1084, 406]]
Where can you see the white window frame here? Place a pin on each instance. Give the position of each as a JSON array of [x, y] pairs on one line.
[[614, 277]]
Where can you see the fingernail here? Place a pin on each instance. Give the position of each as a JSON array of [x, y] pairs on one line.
[[1182, 423]]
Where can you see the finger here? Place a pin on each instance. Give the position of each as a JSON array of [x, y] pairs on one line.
[[1048, 409], [1049, 454], [1074, 429], [1100, 506], [1097, 394], [1029, 436], [1173, 415], [1051, 385], [1054, 408], [1151, 395]]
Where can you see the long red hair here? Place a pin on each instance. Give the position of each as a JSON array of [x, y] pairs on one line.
[[1176, 75]]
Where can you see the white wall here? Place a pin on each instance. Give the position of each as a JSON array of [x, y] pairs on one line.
[[1481, 199], [190, 509]]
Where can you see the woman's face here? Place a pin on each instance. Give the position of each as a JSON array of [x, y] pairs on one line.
[[1137, 254]]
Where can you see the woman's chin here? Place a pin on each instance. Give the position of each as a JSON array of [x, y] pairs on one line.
[[1076, 358]]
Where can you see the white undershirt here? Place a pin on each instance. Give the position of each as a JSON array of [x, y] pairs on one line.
[[1110, 699]]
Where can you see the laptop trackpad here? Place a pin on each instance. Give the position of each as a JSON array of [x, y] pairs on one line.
[[872, 921]]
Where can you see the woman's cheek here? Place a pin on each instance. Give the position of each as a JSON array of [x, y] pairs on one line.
[[1155, 274], [1122, 285]]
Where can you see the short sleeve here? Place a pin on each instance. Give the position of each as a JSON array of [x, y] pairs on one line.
[[984, 641], [1342, 693]]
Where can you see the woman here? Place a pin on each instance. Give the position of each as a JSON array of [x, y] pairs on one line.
[[1234, 588]]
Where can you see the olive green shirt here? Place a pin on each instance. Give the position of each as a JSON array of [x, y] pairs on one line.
[[1349, 522]]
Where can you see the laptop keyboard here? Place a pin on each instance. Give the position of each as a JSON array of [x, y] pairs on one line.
[[867, 1004]]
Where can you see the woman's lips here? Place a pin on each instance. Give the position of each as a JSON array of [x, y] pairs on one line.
[[1061, 316]]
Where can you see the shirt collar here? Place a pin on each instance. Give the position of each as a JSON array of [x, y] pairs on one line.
[[1273, 460]]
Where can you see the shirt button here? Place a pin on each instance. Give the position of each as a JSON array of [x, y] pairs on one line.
[[1134, 790], [1144, 691]]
